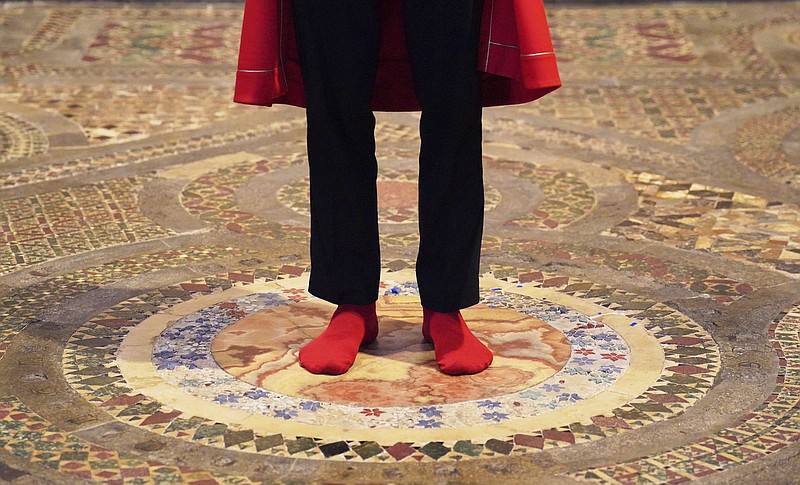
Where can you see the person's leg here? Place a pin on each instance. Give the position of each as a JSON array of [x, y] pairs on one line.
[[338, 50], [442, 39]]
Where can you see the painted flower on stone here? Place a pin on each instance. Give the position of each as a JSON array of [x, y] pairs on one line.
[[372, 412], [310, 405], [271, 299], [584, 341], [584, 351], [488, 404], [295, 294], [611, 369], [431, 412], [286, 413], [168, 364], [193, 355], [583, 360], [607, 337], [164, 354], [223, 398], [552, 387], [495, 416], [576, 371], [256, 393], [429, 423], [567, 397], [576, 333], [602, 378], [613, 356], [532, 394]]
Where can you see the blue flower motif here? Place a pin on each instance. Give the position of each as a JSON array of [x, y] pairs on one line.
[[601, 378], [429, 423], [272, 299], [193, 355], [610, 369], [286, 413], [495, 416], [164, 354], [576, 371], [576, 333], [608, 337], [431, 412], [532, 394], [582, 342], [168, 364], [256, 393], [552, 387], [310, 405], [569, 397], [583, 360], [488, 404], [223, 398]]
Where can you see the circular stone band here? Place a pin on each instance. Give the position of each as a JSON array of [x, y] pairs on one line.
[[645, 368], [656, 386]]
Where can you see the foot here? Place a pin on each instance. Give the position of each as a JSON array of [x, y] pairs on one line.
[[335, 350], [458, 351]]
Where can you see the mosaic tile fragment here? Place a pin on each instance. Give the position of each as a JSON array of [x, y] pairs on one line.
[[73, 220]]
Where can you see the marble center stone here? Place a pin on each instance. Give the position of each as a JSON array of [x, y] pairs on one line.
[[399, 369]]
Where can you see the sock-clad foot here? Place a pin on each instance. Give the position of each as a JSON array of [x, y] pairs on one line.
[[335, 350], [458, 351]]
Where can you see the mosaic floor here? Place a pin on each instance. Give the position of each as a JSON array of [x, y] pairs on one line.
[[640, 271]]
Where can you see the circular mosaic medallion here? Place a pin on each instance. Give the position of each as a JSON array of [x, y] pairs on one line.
[[574, 361], [397, 196]]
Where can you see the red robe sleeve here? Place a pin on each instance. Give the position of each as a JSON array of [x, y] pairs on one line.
[[260, 76]]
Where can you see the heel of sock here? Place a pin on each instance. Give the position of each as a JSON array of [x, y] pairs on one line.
[[426, 331], [370, 320], [370, 330]]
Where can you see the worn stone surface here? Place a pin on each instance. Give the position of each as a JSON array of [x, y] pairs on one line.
[[639, 283]]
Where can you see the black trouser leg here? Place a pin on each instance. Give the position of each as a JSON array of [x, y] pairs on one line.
[[338, 48], [442, 37]]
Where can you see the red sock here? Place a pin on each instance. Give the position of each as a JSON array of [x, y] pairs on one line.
[[335, 350], [458, 352]]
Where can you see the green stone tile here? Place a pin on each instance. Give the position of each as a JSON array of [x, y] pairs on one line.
[[435, 450]]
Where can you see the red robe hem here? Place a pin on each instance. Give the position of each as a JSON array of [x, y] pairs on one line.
[[515, 55]]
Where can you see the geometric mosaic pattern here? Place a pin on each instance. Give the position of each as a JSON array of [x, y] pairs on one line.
[[22, 307], [768, 429], [566, 197], [19, 138], [184, 36], [27, 435], [139, 111], [758, 145], [661, 113], [73, 220], [397, 190], [700, 217], [706, 284]]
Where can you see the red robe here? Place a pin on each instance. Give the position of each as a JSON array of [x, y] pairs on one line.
[[515, 55]]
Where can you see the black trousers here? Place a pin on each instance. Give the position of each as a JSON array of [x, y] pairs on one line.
[[338, 50]]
